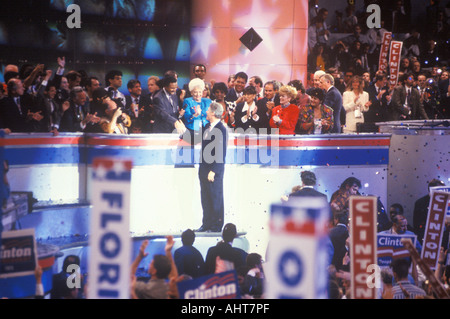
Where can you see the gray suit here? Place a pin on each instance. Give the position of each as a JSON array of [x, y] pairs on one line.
[[398, 112]]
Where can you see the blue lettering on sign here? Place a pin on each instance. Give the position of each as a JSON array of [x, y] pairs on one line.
[[109, 273], [290, 268], [109, 217], [113, 198], [108, 293], [122, 176], [110, 245]]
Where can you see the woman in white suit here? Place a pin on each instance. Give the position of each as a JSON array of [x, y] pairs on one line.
[[356, 103]]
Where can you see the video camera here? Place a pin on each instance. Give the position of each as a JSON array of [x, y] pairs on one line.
[[118, 102]]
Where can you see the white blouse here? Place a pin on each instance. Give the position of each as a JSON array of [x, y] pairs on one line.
[[350, 107]]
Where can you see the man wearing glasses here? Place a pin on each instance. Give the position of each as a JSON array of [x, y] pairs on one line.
[[406, 103]]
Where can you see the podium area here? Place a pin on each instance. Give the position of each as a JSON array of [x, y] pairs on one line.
[[165, 191]]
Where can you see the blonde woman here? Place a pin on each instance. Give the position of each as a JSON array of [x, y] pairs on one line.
[[285, 115], [356, 102]]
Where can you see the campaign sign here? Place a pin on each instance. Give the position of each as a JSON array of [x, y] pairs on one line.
[[434, 228], [384, 52], [297, 254], [394, 61], [222, 285], [18, 253], [443, 189], [363, 247], [110, 242], [390, 247]]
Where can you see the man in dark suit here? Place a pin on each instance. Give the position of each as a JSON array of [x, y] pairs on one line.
[[406, 104], [240, 80], [230, 257], [137, 106], [338, 236], [378, 92], [187, 258], [333, 99], [15, 109], [76, 118], [167, 108], [307, 189], [270, 99], [211, 169]]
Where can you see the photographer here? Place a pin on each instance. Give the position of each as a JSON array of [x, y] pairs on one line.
[[113, 119], [430, 97]]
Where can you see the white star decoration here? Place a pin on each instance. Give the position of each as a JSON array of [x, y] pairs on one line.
[[258, 16], [111, 246], [203, 39], [291, 268]]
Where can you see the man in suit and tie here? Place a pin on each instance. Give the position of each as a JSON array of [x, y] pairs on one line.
[[270, 99], [406, 103], [338, 236], [257, 82], [137, 106], [76, 118], [307, 188], [167, 111], [211, 169], [199, 72], [240, 81], [113, 81], [378, 95], [15, 112], [333, 99]]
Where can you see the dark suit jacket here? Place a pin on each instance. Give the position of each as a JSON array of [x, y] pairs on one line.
[[164, 113], [51, 118], [378, 110], [333, 99], [398, 100], [11, 116], [70, 122], [215, 142], [227, 252], [308, 192], [189, 261], [231, 95], [338, 236], [144, 102], [263, 121], [262, 104]]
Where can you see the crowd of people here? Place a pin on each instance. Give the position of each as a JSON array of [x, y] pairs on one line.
[[345, 92], [72, 103], [403, 279], [33, 99], [348, 47]]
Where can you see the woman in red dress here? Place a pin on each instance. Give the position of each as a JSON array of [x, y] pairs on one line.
[[285, 116]]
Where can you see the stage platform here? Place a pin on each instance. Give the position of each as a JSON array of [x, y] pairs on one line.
[[394, 165]]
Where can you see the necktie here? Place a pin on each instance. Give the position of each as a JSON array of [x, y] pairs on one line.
[[18, 105], [80, 113]]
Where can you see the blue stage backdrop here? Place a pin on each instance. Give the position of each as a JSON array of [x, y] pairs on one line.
[[140, 37]]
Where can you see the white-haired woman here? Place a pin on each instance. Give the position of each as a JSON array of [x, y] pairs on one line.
[[195, 108]]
